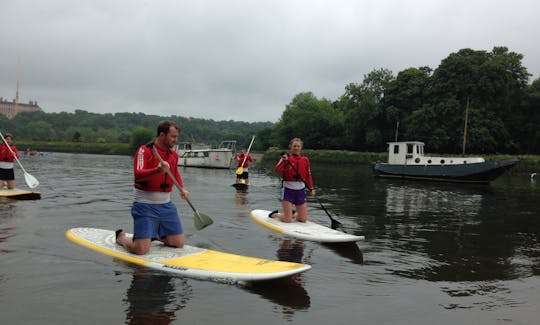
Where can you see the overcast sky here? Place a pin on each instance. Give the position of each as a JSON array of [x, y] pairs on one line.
[[238, 59]]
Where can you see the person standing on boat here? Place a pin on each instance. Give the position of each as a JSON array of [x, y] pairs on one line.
[[244, 177], [154, 214], [296, 173], [7, 175]]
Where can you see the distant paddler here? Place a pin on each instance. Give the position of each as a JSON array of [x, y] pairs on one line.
[[243, 159], [7, 157]]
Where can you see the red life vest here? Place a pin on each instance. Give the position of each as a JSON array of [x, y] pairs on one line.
[[240, 160], [145, 169], [289, 173], [6, 155]]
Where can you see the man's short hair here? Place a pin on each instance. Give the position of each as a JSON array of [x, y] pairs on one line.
[[165, 126]]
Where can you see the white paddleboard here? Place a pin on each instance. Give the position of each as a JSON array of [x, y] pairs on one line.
[[189, 261], [18, 194], [303, 230]]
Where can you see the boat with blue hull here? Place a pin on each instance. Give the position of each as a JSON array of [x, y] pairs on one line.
[[406, 160]]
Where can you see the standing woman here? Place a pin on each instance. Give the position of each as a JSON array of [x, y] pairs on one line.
[[296, 173], [7, 175]]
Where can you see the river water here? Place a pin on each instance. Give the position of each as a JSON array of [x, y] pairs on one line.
[[433, 254]]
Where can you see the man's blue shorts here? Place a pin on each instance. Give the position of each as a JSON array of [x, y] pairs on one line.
[[155, 220], [296, 197]]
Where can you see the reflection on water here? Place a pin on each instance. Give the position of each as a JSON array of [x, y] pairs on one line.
[[241, 198], [7, 212], [154, 297], [350, 251], [288, 292], [291, 250], [411, 200], [452, 233]]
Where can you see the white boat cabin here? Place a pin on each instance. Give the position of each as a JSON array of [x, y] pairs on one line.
[[412, 153], [202, 155]]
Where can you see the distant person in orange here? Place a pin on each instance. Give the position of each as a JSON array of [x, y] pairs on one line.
[[7, 175], [244, 177]]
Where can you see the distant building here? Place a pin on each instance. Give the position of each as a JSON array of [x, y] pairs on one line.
[[7, 108]]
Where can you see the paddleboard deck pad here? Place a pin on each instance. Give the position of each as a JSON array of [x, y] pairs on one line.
[[189, 261], [303, 230], [18, 194]]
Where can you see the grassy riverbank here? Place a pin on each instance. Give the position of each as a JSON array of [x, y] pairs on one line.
[[527, 163], [75, 147]]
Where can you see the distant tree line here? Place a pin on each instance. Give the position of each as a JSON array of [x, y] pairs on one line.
[[418, 104], [425, 105], [83, 126]]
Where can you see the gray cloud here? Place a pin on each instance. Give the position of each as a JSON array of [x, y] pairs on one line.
[[239, 59]]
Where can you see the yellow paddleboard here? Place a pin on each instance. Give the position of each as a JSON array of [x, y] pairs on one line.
[[18, 194], [188, 261]]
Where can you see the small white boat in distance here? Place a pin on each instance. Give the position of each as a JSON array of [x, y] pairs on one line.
[[200, 155]]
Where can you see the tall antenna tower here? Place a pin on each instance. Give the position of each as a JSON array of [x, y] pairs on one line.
[[17, 92]]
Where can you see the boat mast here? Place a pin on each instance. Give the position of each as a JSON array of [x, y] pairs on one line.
[[465, 127], [397, 128], [16, 110]]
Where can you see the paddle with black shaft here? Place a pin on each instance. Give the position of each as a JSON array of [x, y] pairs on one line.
[[31, 181], [334, 223], [200, 220], [240, 170]]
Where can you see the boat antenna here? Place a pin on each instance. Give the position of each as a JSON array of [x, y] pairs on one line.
[[16, 110], [465, 127], [397, 128]]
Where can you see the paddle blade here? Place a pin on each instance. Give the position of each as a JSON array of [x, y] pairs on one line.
[[201, 220], [240, 171], [335, 224], [31, 181]]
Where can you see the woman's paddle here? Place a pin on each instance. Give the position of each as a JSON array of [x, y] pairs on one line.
[[200, 220], [240, 170], [334, 223], [31, 181]]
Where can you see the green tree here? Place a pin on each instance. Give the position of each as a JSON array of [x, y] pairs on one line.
[[40, 131], [402, 96], [140, 136], [313, 120], [494, 84], [76, 136], [363, 111]]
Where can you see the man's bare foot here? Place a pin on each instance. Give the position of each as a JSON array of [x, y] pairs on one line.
[[119, 235]]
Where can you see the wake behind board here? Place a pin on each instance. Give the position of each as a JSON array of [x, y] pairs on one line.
[[303, 230], [189, 261], [18, 194]]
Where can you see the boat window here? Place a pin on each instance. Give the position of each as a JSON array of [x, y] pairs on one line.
[[429, 161], [410, 148], [417, 160], [442, 161], [396, 149], [206, 153]]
